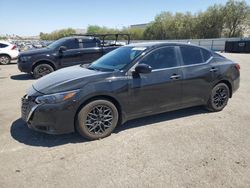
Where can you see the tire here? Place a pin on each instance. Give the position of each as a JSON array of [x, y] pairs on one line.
[[42, 70], [4, 59], [218, 98], [91, 121]]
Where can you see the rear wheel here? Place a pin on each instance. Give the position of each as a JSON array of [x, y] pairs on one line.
[[218, 97], [42, 70], [97, 119], [4, 59]]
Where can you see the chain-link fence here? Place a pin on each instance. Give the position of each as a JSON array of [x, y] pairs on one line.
[[213, 44]]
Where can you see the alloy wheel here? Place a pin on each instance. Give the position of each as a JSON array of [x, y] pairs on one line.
[[4, 60], [99, 119], [220, 97], [42, 71]]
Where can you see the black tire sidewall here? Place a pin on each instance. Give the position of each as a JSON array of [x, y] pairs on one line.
[[8, 60], [35, 71], [211, 105], [82, 115]]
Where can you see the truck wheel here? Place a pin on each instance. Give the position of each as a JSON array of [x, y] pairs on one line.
[[97, 119], [42, 70], [4, 59], [218, 98]]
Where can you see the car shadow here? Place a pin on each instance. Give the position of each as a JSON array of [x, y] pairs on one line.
[[22, 77], [21, 133], [161, 118]]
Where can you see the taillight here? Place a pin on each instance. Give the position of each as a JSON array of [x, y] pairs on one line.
[[13, 47], [237, 66]]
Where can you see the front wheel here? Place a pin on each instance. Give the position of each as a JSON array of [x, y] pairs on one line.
[[97, 119], [42, 70], [218, 98]]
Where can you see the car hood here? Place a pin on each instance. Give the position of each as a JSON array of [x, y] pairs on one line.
[[35, 52], [67, 79]]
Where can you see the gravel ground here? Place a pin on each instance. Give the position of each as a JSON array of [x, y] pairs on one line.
[[186, 148]]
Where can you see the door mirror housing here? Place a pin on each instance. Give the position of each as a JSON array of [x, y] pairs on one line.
[[143, 68], [62, 49]]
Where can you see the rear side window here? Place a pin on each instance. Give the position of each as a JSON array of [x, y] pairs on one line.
[[191, 55], [161, 58], [206, 54], [89, 44], [3, 45], [71, 44]]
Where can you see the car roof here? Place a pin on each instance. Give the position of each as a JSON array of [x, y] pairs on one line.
[[81, 37], [5, 42], [161, 44]]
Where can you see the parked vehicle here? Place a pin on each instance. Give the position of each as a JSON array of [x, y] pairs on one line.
[[68, 51], [130, 82], [8, 52], [240, 46]]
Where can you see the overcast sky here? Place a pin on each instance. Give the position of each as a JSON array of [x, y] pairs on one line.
[[29, 17]]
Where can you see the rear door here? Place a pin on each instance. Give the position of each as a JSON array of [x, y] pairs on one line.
[[72, 55], [90, 50], [198, 74], [159, 90]]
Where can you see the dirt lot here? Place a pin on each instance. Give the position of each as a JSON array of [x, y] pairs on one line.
[[187, 148]]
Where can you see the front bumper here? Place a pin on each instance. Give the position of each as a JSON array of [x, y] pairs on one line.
[[49, 118], [24, 66]]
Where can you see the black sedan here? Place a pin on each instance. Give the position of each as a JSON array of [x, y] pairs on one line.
[[130, 82]]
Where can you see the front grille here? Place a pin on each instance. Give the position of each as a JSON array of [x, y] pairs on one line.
[[27, 104]]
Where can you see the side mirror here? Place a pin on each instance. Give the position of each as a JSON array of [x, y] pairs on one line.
[[62, 49], [143, 68]]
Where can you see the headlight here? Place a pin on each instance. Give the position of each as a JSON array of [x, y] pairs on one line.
[[56, 98], [25, 58]]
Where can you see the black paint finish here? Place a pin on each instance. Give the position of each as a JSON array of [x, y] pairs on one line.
[[135, 95], [76, 54]]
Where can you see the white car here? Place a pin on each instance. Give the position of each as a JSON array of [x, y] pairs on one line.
[[8, 52]]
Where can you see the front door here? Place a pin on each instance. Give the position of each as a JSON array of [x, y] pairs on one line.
[[159, 90]]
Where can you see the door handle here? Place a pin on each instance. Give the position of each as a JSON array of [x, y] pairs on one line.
[[175, 77], [213, 69]]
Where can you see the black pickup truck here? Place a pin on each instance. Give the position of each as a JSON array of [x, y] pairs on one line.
[[68, 51]]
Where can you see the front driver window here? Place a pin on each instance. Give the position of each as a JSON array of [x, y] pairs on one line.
[[161, 58]]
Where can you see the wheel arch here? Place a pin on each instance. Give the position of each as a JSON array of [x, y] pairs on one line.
[[229, 85], [103, 97], [6, 55], [43, 62]]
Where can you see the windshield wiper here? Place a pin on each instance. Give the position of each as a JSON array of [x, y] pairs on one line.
[[93, 68]]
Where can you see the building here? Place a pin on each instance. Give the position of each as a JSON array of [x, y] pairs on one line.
[[140, 26]]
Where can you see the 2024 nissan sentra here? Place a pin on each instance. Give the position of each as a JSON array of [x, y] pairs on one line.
[[131, 82]]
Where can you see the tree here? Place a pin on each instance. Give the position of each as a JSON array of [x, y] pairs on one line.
[[135, 33], [230, 20], [57, 34], [169, 26], [236, 13], [209, 24], [3, 38]]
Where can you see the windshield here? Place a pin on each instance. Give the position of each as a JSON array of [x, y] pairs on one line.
[[56, 44], [117, 59]]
